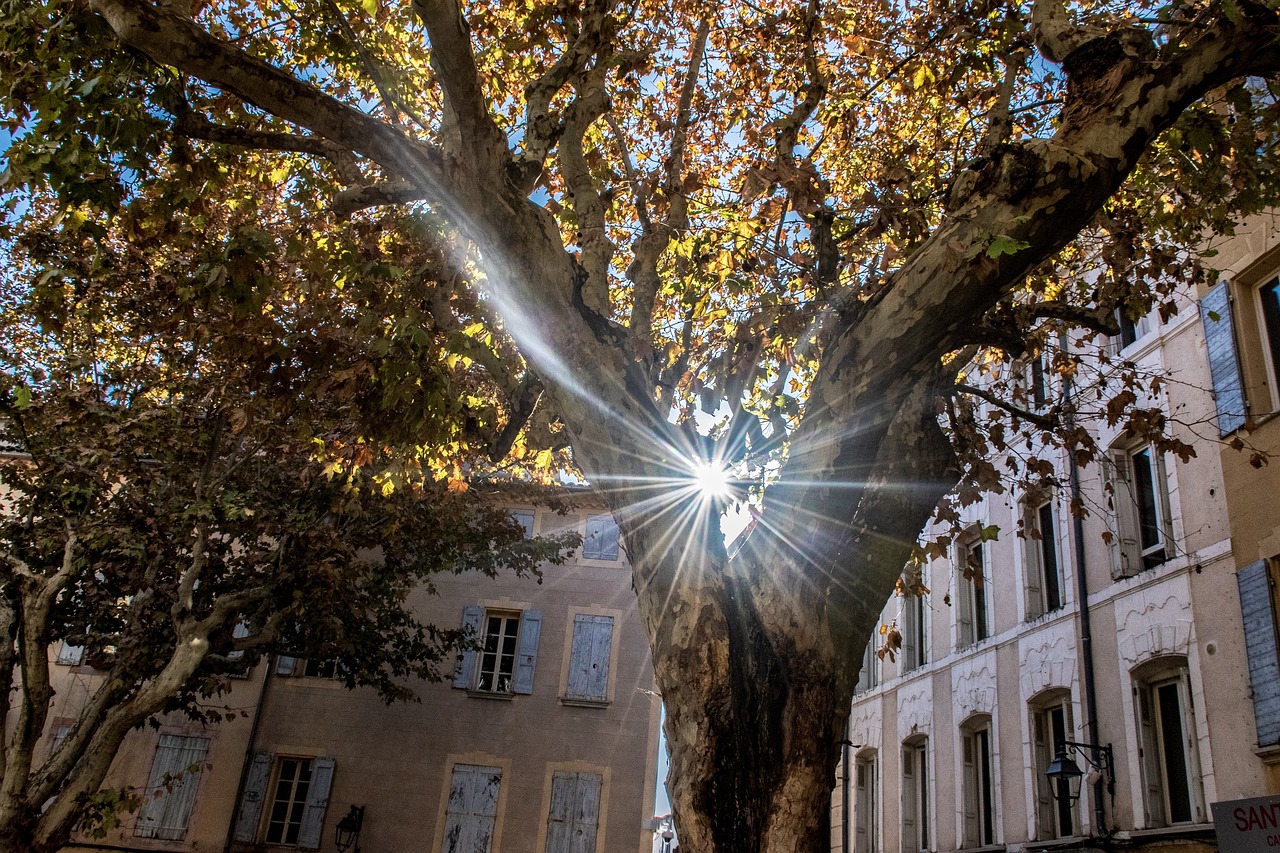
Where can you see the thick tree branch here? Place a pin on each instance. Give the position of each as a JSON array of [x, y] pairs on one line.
[[594, 39], [588, 204], [197, 127], [356, 198], [1055, 34], [483, 143], [648, 247], [171, 39]]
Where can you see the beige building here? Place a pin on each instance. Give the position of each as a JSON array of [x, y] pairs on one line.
[[1121, 630], [544, 740]]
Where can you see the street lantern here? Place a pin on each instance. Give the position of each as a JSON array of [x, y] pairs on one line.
[[347, 832], [1064, 777]]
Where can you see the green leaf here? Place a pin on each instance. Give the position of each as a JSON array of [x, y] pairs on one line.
[[1003, 244]]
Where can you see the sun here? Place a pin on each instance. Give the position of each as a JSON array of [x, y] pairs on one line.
[[712, 480]]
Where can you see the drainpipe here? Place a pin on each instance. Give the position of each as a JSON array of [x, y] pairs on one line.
[[844, 823], [270, 661], [1086, 630]]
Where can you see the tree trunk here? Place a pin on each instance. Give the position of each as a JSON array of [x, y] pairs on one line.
[[754, 736]]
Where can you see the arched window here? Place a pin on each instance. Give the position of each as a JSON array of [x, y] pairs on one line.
[[866, 802], [979, 793], [1166, 728], [915, 794], [1050, 726]]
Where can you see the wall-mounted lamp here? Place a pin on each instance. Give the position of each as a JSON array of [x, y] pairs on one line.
[[348, 830], [1065, 776]]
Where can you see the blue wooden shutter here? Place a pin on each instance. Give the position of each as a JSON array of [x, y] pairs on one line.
[[473, 809], [255, 787], [171, 789], [574, 818], [464, 676], [601, 542], [1224, 364], [589, 658], [312, 829], [527, 651], [1260, 646]]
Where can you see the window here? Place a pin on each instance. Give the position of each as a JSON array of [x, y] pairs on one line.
[[1269, 297], [295, 791], [289, 801], [589, 658], [506, 652], [171, 788], [1258, 590], [1038, 385], [601, 541], [473, 808], [979, 784], [913, 627], [69, 655], [524, 518], [866, 838], [1044, 585], [1224, 361], [1050, 727], [868, 675], [971, 609], [287, 666], [575, 812], [61, 728], [320, 668], [1131, 330], [915, 796], [1170, 765], [1140, 510]]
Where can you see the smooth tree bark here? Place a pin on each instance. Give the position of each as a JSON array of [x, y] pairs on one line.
[[755, 652]]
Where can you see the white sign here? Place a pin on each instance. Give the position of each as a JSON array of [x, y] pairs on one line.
[[1248, 826]]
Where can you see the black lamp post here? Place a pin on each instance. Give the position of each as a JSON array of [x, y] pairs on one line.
[[348, 830], [1065, 776]]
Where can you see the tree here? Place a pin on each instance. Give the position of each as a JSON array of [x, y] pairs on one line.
[[195, 480], [805, 219]]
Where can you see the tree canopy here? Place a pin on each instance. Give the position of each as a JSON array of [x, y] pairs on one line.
[[811, 221], [209, 459]]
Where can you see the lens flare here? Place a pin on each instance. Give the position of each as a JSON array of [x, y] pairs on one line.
[[712, 480]]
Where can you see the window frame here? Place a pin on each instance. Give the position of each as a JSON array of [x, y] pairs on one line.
[[1269, 334], [452, 815], [979, 800], [260, 793], [559, 829], [973, 612], [1131, 555], [597, 549], [1041, 548], [866, 802], [520, 514], [869, 672], [914, 621], [915, 797], [590, 648], [1054, 817], [469, 671], [170, 800], [1153, 686]]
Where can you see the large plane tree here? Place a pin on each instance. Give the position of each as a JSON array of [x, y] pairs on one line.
[[805, 219]]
